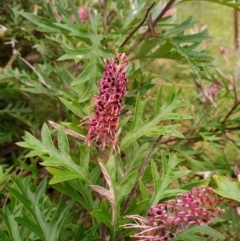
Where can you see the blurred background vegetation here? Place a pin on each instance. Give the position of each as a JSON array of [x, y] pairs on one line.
[[31, 78]]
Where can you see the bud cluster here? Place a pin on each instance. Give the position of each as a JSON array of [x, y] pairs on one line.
[[103, 125], [166, 220]]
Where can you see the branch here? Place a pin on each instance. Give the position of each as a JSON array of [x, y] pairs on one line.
[[40, 78], [12, 59], [167, 7], [54, 11], [230, 112], [138, 26], [103, 4], [67, 131], [142, 37]]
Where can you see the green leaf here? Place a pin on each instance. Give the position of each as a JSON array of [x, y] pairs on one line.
[[189, 235], [93, 19], [31, 142], [44, 25], [135, 156], [25, 221], [134, 11], [188, 23], [52, 157], [172, 193], [59, 215], [201, 183], [75, 13], [73, 106], [46, 138], [63, 144], [137, 207], [61, 175], [76, 54], [125, 186], [143, 190], [92, 70], [74, 30], [103, 215], [145, 47], [110, 194], [4, 175], [4, 236], [86, 235], [193, 38], [41, 189], [150, 126], [11, 224], [226, 188], [137, 119], [175, 44], [33, 203], [74, 189], [162, 182]]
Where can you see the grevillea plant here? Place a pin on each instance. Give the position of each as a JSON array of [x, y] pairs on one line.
[[123, 162]]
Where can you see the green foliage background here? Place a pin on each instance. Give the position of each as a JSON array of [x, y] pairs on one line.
[[50, 182]]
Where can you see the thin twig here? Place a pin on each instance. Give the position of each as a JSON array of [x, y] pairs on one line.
[[235, 86], [35, 71], [11, 60], [234, 77], [142, 37], [67, 131], [167, 7], [230, 112], [138, 26], [233, 141], [235, 82], [103, 4], [142, 171], [71, 133], [54, 11], [197, 138]]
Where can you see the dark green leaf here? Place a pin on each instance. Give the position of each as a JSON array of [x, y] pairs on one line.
[[44, 25], [162, 182]]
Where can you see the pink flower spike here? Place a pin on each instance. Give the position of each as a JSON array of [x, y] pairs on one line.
[[174, 216], [103, 126]]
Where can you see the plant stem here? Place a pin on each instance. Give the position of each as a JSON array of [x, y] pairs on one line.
[[142, 37], [11, 60], [103, 226], [40, 78], [236, 104], [103, 4], [138, 26]]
